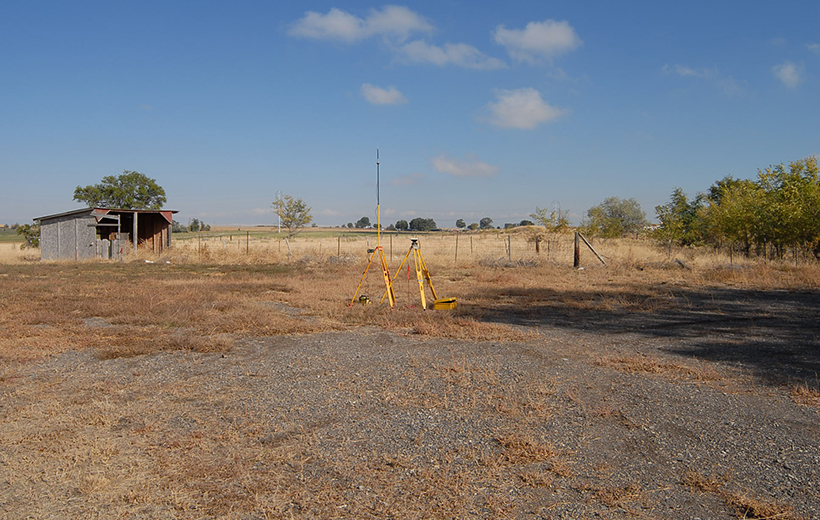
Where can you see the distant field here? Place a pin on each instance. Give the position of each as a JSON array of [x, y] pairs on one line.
[[10, 235], [273, 232]]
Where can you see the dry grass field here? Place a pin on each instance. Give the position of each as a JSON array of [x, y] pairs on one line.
[[231, 378]]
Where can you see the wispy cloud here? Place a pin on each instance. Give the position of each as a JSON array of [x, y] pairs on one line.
[[382, 96], [327, 212], [392, 21], [790, 74], [522, 108], [814, 47], [538, 40], [408, 180], [712, 76], [395, 24], [469, 168], [459, 54]]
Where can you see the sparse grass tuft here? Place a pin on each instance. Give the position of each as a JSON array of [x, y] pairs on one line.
[[643, 364], [522, 448], [745, 505], [804, 395]]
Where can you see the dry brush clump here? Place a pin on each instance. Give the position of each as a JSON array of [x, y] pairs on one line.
[[805, 395], [745, 504], [643, 364]]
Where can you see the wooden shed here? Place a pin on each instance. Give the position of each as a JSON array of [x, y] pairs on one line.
[[103, 233]]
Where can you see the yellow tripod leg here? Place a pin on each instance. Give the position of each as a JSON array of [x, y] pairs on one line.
[[419, 262], [398, 271], [363, 278], [427, 276], [387, 282]]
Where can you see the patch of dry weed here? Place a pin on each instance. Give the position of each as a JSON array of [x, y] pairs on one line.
[[746, 505], [644, 364]]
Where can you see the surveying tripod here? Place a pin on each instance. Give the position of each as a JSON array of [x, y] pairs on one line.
[[385, 273], [421, 274]]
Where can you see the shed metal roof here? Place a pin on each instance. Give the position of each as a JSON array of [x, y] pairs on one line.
[[99, 212]]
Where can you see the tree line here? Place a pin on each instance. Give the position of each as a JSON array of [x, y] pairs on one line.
[[770, 215]]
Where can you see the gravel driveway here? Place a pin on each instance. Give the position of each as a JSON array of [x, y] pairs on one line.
[[599, 418]]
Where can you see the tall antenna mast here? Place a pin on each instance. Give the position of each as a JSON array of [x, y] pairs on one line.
[[378, 203]]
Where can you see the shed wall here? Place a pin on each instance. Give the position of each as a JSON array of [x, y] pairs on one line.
[[69, 237]]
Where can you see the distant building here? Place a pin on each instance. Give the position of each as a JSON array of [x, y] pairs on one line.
[[103, 233]]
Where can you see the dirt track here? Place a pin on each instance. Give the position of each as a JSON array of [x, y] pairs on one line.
[[682, 413]]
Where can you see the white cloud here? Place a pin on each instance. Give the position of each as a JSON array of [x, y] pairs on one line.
[[397, 21], [814, 47], [408, 180], [392, 21], [683, 70], [521, 108], [726, 83], [459, 54], [470, 168], [791, 74], [329, 213], [537, 40], [396, 24], [381, 96]]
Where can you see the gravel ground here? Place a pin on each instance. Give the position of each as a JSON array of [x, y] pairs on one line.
[[673, 418]]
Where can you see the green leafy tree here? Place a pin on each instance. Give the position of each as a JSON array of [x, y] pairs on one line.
[[422, 224], [460, 224], [402, 225], [526, 222], [293, 213], [615, 217], [485, 223], [680, 219], [791, 212], [363, 223], [779, 210], [732, 215], [176, 227], [554, 221], [131, 190], [31, 233], [474, 226]]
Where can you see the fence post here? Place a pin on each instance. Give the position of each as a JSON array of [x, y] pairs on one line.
[[577, 256]]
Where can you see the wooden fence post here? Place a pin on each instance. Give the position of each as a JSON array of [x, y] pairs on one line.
[[576, 262]]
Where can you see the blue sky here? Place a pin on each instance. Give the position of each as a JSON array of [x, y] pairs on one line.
[[479, 108]]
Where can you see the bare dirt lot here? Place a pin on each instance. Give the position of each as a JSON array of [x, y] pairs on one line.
[[625, 394]]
